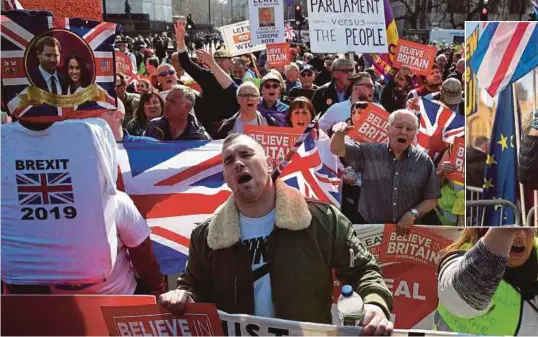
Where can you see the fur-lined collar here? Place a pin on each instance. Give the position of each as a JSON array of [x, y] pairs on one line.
[[291, 210]]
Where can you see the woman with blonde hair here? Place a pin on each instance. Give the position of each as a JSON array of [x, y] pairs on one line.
[[488, 283]]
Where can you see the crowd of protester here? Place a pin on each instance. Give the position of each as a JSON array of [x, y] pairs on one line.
[[208, 94]]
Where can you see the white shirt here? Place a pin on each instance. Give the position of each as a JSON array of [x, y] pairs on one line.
[[339, 112], [254, 233], [47, 76], [132, 231]]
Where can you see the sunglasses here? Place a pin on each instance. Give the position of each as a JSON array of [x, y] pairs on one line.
[[167, 72], [307, 74], [273, 86], [346, 71]]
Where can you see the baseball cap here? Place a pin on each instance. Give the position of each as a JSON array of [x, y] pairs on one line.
[[271, 76], [222, 54], [451, 91], [307, 67]]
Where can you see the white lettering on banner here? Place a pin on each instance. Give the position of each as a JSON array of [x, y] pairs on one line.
[[459, 159], [172, 327], [402, 289], [361, 22]]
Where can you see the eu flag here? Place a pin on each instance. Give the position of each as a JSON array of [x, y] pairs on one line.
[[500, 181]]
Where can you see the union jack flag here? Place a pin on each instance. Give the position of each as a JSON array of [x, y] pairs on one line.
[[45, 188], [506, 51], [19, 33], [313, 170], [12, 4], [178, 185], [175, 186], [288, 32], [439, 125]]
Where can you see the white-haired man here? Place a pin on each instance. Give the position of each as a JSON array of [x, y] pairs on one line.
[[399, 184], [292, 77], [248, 96]]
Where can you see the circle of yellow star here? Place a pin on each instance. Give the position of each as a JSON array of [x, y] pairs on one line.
[[503, 141], [490, 160], [488, 183]]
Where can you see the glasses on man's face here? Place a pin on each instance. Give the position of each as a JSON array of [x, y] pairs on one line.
[[271, 86], [346, 71], [307, 74], [119, 85], [253, 96], [167, 72]]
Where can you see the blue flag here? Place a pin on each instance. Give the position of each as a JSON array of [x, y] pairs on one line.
[[500, 180]]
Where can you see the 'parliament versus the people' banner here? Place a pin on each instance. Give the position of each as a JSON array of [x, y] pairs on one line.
[[347, 26], [266, 21], [56, 68], [237, 38]]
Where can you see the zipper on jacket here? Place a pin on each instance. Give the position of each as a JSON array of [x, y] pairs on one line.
[[235, 290]]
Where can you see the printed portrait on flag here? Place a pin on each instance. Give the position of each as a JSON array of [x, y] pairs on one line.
[[57, 68]]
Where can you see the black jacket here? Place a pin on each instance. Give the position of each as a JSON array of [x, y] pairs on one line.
[[159, 128], [217, 103], [229, 124], [528, 162], [326, 96], [476, 166]]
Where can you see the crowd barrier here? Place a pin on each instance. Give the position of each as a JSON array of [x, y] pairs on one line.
[[94, 315]]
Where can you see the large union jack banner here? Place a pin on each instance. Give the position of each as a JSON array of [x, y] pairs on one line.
[[178, 185], [56, 68]]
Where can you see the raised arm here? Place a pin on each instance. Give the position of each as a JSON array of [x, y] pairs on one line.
[[467, 282], [220, 75]]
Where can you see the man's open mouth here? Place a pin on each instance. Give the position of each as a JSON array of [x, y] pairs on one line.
[[244, 178], [517, 249], [250, 105], [401, 140]]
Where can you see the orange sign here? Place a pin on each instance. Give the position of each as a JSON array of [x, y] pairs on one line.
[[456, 156], [373, 126], [417, 56], [61, 315], [277, 141], [421, 246], [87, 9], [278, 54], [125, 66], [200, 319], [241, 37]]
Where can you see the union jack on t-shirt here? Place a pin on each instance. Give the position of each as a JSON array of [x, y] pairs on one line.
[[45, 188]]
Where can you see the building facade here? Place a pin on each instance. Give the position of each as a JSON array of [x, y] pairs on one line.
[[158, 10]]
